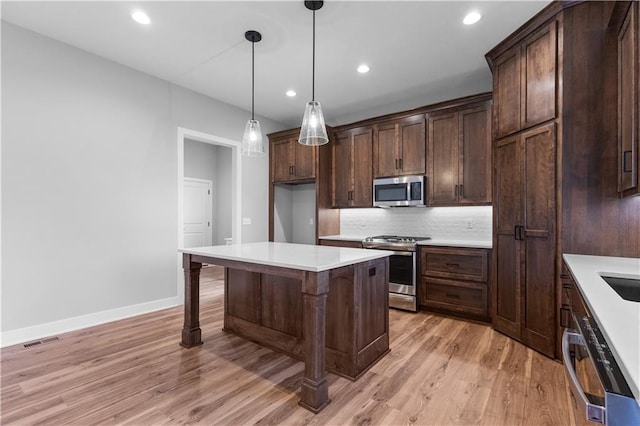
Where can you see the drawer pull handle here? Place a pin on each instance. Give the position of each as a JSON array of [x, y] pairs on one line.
[[453, 264], [452, 296]]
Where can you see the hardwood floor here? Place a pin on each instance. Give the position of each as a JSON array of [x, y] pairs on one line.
[[440, 371]]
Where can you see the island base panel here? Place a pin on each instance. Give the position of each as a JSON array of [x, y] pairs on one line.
[[355, 338]]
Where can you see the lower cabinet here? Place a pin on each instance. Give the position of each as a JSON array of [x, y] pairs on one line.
[[455, 280]]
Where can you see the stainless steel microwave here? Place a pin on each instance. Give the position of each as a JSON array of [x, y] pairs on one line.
[[401, 191]]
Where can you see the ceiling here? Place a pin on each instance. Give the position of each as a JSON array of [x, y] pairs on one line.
[[419, 52]]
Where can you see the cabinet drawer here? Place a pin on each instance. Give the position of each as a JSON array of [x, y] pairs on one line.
[[455, 296], [463, 264], [341, 243]]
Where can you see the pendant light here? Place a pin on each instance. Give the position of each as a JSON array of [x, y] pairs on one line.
[[313, 131], [252, 145]]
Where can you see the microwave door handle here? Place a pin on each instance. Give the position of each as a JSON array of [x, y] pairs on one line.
[[593, 413]]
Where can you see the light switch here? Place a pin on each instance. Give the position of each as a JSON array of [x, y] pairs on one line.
[[246, 221]]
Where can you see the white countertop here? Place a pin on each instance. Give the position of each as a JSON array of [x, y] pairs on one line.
[[618, 319], [295, 256], [485, 244]]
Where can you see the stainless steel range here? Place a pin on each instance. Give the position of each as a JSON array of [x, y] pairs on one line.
[[402, 268]]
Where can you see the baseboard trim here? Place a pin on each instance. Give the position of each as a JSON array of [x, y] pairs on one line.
[[40, 331]]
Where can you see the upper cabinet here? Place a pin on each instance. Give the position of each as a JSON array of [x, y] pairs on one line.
[[352, 184], [524, 83], [628, 109], [291, 161], [399, 147], [459, 156]]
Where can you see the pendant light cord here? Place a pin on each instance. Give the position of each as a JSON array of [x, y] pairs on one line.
[[313, 66], [253, 65]]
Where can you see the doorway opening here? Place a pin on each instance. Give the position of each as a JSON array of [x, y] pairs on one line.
[[233, 186]]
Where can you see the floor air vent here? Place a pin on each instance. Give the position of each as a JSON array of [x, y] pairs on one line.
[[39, 342]]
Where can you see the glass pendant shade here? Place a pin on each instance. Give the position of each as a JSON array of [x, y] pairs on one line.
[[313, 131], [252, 145]]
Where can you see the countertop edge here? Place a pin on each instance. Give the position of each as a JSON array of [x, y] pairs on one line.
[[228, 253], [602, 300]]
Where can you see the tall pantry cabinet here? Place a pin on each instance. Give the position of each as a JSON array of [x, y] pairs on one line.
[[525, 193], [558, 114]]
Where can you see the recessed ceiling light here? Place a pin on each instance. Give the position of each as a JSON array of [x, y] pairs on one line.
[[362, 69], [140, 17], [471, 18], [291, 93]]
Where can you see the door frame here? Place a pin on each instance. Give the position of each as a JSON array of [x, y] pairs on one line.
[[236, 192]]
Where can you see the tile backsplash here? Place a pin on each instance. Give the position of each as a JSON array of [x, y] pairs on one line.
[[437, 222]]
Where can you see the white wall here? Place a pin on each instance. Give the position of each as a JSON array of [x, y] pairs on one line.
[[89, 181], [294, 205], [223, 190], [213, 162], [303, 208]]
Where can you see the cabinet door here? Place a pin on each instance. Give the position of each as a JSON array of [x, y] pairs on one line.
[[506, 93], [628, 108], [385, 155], [413, 146], [474, 173], [443, 160], [507, 214], [305, 160], [342, 167], [539, 181], [539, 81], [282, 160], [362, 193]]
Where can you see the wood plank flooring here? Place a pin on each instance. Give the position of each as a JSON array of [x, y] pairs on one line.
[[440, 371]]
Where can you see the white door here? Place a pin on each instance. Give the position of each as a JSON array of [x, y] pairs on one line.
[[197, 212]]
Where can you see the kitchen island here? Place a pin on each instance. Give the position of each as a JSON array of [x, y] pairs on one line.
[[327, 306]]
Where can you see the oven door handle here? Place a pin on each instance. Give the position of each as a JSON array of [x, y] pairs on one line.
[[403, 253], [593, 412]]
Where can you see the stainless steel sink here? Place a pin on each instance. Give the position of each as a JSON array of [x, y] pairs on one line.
[[627, 288]]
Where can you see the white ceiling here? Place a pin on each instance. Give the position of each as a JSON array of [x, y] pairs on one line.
[[419, 51]]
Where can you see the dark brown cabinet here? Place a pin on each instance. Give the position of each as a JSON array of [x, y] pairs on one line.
[[459, 157], [628, 109], [399, 147], [341, 243], [455, 280], [525, 237], [352, 168], [291, 161], [524, 84]]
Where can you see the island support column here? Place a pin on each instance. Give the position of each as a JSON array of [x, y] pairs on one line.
[[315, 389], [191, 332]]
